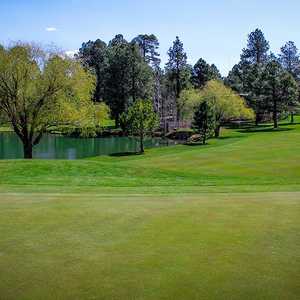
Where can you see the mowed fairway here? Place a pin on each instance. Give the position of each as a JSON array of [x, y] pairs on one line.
[[214, 222]]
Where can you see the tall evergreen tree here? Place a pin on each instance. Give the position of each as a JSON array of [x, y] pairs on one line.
[[148, 45], [289, 59], [279, 90], [128, 76], [245, 77], [177, 70], [93, 56], [140, 73], [257, 48]]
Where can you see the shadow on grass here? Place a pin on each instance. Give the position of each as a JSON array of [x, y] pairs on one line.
[[196, 144], [264, 129], [125, 154]]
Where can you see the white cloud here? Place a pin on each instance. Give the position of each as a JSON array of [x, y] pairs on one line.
[[51, 29], [71, 53]]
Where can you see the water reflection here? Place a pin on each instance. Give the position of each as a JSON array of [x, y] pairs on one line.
[[54, 146]]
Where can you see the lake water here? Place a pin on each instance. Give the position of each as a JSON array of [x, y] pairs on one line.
[[55, 146]]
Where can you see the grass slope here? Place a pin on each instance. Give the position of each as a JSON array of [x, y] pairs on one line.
[[214, 222]]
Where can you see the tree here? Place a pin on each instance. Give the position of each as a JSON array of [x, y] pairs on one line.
[[117, 77], [141, 120], [279, 91], [245, 77], [39, 89], [93, 55], [177, 70], [148, 45], [226, 103], [203, 72], [289, 59], [257, 48], [140, 75], [204, 120], [128, 76]]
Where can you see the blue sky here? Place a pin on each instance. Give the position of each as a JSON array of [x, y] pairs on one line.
[[215, 30]]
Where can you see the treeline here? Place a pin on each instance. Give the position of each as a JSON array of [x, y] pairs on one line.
[[131, 70], [269, 82], [127, 71]]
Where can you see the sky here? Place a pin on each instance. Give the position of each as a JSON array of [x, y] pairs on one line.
[[215, 30]]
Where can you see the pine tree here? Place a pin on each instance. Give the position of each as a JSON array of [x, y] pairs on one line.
[[204, 120], [203, 72], [177, 70], [148, 45], [289, 59], [279, 90], [257, 48]]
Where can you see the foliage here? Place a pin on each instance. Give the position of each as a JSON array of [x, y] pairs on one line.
[[38, 90], [204, 120], [93, 56], [140, 120], [257, 48], [280, 90], [128, 76], [148, 45], [203, 72], [289, 59], [177, 71], [102, 114], [227, 104]]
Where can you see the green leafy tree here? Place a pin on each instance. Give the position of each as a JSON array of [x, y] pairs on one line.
[[279, 91], [118, 85], [203, 72], [39, 89], [226, 103], [93, 55], [140, 120], [204, 120]]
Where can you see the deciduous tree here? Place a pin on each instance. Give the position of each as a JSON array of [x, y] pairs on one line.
[[39, 89], [141, 120]]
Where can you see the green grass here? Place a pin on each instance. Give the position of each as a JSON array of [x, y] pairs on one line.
[[220, 221]]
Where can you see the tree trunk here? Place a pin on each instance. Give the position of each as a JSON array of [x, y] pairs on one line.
[[292, 117], [142, 143], [275, 114], [27, 150], [217, 131], [204, 136], [256, 119], [117, 121]]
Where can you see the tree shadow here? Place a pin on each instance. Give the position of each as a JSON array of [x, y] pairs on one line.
[[125, 154], [264, 129], [196, 144]]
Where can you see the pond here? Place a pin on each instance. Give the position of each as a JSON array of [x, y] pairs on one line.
[[61, 147]]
